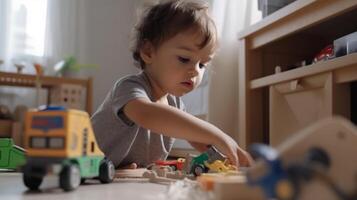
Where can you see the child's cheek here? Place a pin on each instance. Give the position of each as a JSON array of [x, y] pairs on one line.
[[198, 82]]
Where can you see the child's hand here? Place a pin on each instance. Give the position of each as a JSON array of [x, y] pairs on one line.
[[236, 155]]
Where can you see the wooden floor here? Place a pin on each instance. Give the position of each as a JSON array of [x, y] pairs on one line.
[[12, 188]]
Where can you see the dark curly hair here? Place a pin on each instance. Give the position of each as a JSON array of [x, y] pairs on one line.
[[164, 20]]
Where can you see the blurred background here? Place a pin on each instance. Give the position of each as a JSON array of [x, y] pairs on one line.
[[98, 33]]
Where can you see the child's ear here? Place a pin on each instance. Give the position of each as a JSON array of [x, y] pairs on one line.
[[146, 52]]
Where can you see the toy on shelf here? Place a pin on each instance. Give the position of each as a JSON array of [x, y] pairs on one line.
[[346, 44], [61, 141], [69, 66], [268, 7], [11, 156], [69, 96], [317, 163], [19, 67], [327, 53], [50, 84]]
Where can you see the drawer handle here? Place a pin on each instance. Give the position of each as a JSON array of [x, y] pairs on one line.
[[294, 85]]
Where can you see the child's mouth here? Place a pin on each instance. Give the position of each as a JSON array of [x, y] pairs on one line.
[[188, 84]]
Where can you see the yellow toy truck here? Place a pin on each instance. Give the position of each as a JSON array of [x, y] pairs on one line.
[[61, 141]]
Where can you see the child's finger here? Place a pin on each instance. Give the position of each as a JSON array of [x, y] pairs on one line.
[[245, 158], [233, 159], [231, 164]]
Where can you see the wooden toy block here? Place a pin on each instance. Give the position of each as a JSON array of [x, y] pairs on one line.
[[167, 172], [130, 173], [179, 175], [69, 96], [226, 187], [154, 178]]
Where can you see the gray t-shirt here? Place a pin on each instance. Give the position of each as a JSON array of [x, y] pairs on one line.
[[121, 140]]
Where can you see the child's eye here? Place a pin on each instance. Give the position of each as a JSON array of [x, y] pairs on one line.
[[202, 65], [183, 60]]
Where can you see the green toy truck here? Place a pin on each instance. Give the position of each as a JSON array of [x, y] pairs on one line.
[[11, 156]]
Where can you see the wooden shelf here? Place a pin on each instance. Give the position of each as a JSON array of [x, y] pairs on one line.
[[47, 82], [267, 101], [276, 17], [340, 65], [295, 17], [28, 80]]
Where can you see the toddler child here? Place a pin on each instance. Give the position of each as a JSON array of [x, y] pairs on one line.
[[142, 114]]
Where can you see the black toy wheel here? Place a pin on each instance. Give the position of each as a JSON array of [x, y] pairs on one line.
[[106, 171], [70, 177], [32, 182], [198, 170]]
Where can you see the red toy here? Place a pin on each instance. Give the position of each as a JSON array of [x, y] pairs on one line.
[[174, 164], [325, 54]]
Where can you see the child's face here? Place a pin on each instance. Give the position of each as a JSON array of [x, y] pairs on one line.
[[178, 64]]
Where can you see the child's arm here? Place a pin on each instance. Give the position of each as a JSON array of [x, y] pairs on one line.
[[199, 146], [173, 122]]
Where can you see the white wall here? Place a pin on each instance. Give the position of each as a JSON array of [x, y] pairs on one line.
[[106, 26]]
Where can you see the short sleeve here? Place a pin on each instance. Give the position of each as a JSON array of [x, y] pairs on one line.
[[126, 90]]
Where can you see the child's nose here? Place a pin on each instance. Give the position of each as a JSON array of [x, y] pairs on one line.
[[195, 70]]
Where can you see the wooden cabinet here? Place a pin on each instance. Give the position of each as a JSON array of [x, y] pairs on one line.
[[272, 105], [50, 83]]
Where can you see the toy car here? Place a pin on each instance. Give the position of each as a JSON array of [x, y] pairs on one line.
[[325, 54], [174, 164], [202, 163], [61, 141]]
